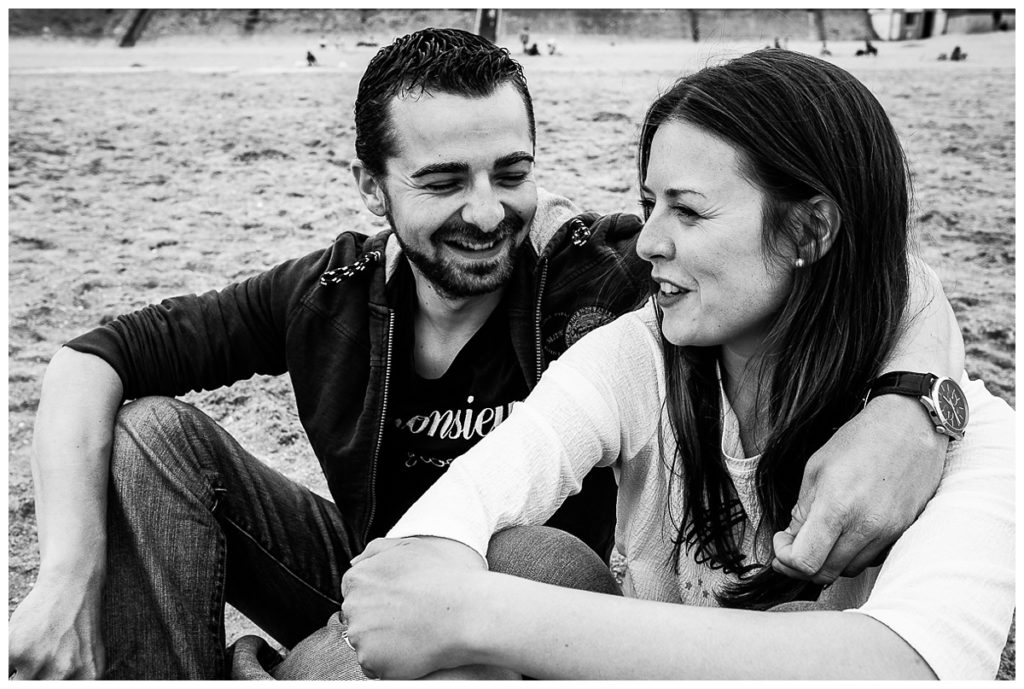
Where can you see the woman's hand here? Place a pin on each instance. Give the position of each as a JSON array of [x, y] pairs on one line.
[[407, 603]]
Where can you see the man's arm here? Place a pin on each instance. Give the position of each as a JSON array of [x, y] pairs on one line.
[[869, 483], [55, 631]]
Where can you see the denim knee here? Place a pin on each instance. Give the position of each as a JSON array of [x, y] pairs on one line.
[[550, 556], [155, 433]]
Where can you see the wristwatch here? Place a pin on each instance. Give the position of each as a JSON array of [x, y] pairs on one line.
[[942, 397]]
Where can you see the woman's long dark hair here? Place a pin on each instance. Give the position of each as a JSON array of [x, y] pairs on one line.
[[803, 127]]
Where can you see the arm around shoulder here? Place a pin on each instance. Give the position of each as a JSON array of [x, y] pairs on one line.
[[865, 487]]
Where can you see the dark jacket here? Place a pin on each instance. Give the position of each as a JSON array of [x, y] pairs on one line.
[[325, 319]]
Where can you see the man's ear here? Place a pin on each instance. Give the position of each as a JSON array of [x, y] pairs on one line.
[[369, 188], [821, 223]]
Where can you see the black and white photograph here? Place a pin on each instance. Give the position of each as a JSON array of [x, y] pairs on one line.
[[511, 343]]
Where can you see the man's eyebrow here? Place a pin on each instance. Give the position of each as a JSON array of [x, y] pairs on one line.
[[440, 168], [451, 168], [513, 158]]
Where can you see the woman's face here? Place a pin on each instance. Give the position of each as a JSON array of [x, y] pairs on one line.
[[715, 284]]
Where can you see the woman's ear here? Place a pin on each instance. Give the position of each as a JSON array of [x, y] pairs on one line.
[[821, 225], [369, 188]]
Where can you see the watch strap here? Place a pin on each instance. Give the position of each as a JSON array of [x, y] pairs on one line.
[[901, 383]]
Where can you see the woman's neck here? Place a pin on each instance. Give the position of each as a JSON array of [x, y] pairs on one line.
[[745, 382]]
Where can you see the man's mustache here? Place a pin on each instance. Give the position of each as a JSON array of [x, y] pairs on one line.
[[457, 230]]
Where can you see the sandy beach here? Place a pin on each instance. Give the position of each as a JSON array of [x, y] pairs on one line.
[[182, 165]]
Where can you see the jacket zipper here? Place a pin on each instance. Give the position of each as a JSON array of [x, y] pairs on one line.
[[540, 295], [380, 431]]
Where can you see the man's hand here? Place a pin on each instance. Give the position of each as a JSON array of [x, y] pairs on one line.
[[55, 632], [861, 491], [402, 603]]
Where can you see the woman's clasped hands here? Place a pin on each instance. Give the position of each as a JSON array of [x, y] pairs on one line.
[[405, 603]]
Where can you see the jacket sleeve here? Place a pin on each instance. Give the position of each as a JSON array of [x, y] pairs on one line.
[[597, 405], [202, 342]]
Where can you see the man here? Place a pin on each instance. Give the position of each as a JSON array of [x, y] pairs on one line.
[[403, 349]]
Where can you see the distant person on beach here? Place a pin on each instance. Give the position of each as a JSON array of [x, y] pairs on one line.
[[778, 247], [524, 38], [403, 350], [868, 49]]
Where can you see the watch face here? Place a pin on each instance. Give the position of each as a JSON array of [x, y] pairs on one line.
[[952, 406]]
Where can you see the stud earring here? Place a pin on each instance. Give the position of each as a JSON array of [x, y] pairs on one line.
[[799, 263]]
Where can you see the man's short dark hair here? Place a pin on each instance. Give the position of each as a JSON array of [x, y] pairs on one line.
[[428, 61]]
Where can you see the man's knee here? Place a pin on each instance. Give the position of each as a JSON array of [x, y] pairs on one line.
[[153, 433], [150, 413], [550, 556]]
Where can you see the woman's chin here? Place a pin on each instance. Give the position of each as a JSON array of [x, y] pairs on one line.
[[682, 337]]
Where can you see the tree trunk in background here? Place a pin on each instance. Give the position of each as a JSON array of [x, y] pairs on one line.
[[694, 26], [251, 20], [487, 24], [136, 28], [818, 17]]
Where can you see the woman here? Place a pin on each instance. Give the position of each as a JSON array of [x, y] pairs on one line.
[[776, 198]]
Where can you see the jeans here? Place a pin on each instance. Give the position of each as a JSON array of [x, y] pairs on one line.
[[195, 521], [539, 553]]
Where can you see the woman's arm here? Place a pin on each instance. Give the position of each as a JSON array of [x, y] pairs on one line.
[[553, 633], [410, 612], [600, 403], [945, 594]]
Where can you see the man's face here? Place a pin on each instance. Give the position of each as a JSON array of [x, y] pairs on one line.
[[460, 192]]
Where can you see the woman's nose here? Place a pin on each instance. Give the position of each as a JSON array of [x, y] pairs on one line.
[[653, 242]]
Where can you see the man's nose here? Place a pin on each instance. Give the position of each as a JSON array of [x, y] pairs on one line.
[[484, 209]]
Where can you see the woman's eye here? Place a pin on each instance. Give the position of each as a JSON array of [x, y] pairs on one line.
[[686, 212], [647, 205]]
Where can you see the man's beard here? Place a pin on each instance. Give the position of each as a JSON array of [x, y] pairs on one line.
[[454, 277]]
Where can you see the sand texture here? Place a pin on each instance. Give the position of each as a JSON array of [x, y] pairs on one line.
[[183, 165]]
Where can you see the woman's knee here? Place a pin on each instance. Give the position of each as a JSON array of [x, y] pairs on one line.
[[550, 556]]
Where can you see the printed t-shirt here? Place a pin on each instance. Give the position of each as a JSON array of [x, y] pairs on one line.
[[428, 422]]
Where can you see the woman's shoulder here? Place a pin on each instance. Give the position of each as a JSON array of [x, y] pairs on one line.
[[625, 352], [641, 324]]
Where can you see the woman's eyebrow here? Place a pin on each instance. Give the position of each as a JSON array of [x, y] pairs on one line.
[[671, 192]]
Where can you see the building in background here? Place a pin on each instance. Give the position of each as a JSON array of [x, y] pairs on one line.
[[910, 24]]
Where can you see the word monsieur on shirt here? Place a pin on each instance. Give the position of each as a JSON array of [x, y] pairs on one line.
[[456, 424]]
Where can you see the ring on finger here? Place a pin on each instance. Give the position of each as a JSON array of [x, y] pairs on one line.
[[344, 637]]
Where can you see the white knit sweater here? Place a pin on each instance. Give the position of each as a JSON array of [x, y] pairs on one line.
[[947, 586]]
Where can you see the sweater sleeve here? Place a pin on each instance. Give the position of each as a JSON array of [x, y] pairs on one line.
[[947, 586], [202, 342], [596, 405]]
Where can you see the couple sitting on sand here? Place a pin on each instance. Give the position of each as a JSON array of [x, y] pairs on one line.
[[806, 484]]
